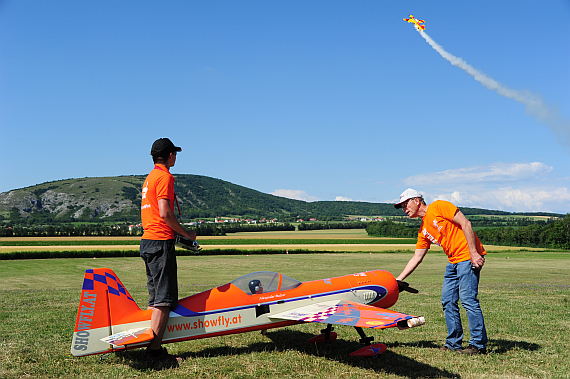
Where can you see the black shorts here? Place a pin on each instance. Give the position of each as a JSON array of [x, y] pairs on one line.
[[161, 272]]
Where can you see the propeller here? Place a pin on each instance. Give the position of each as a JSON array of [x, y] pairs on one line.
[[404, 286]]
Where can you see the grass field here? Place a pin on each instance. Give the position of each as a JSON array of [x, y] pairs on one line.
[[524, 295]]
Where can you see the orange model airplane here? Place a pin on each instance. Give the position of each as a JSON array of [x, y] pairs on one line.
[[418, 24], [109, 320]]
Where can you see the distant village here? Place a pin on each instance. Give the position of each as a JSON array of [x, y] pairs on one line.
[[220, 220]]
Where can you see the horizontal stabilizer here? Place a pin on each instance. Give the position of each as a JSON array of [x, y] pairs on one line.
[[130, 336]]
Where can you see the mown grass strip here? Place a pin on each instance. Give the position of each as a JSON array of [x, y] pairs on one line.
[[70, 243], [307, 241], [257, 241], [17, 255]]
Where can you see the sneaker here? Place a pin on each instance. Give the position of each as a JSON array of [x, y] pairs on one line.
[[472, 350], [163, 357]]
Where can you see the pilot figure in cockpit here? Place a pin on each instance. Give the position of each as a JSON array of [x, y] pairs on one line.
[[255, 287]]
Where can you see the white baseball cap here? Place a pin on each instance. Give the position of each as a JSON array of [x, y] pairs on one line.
[[406, 195]]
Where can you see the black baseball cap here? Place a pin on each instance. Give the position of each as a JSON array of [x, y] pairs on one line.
[[163, 146]]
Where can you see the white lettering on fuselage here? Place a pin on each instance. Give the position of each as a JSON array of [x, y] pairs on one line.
[[271, 297], [85, 318]]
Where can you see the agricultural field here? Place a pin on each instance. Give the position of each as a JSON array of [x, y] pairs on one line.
[[343, 240], [524, 294]]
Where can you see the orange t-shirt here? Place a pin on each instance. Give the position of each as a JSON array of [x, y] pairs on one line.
[[159, 184], [437, 227]]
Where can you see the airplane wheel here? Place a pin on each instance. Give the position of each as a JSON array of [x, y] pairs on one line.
[[370, 350], [322, 338]]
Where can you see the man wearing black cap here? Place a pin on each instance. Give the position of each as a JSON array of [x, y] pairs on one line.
[[157, 244]]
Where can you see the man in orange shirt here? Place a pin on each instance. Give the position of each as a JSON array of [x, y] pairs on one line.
[[446, 226], [157, 244]]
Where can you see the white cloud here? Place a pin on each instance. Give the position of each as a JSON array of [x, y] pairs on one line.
[[498, 172], [294, 194], [512, 199], [342, 198], [514, 187]]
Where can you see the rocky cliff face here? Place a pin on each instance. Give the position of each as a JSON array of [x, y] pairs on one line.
[[73, 198]]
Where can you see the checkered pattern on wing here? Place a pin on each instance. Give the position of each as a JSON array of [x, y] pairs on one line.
[[113, 285], [321, 316]]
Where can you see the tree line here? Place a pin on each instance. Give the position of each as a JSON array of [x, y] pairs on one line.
[[555, 234], [332, 225], [390, 228], [70, 230], [102, 230], [492, 221]]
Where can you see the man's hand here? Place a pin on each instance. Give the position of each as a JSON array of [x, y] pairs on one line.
[[190, 234], [404, 286], [477, 261]]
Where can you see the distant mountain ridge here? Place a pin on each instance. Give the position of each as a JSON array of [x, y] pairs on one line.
[[117, 199]]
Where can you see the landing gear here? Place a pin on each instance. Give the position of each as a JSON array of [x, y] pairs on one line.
[[327, 335], [370, 350], [363, 337]]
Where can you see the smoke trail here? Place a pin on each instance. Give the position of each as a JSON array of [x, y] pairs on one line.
[[534, 105]]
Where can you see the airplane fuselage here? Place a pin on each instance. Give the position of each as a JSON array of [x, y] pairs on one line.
[[109, 320], [253, 311]]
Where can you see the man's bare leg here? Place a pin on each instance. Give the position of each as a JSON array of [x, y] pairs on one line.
[[158, 321]]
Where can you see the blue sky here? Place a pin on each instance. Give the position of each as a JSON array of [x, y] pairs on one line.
[[314, 100]]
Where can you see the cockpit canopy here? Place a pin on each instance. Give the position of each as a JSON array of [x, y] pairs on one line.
[[265, 282]]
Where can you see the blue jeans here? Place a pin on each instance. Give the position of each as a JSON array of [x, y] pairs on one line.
[[462, 283]]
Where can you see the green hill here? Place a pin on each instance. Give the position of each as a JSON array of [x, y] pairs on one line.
[[117, 199]]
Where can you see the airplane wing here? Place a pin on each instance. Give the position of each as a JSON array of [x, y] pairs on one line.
[[344, 312]]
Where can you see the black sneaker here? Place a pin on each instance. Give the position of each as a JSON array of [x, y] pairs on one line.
[[472, 350]]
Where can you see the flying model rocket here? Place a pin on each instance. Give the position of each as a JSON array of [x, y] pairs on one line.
[[418, 24]]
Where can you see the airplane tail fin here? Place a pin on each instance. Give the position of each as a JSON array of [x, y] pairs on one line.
[[107, 310]]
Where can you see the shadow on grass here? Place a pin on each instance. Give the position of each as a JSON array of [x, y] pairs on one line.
[[389, 362], [502, 346], [493, 347], [138, 360], [287, 340]]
